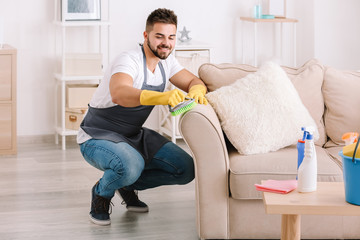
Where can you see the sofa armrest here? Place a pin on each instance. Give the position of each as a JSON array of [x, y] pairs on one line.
[[202, 132]]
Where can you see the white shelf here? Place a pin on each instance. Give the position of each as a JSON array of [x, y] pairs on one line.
[[66, 132], [81, 23], [63, 132], [64, 38], [192, 45], [255, 22], [61, 77]]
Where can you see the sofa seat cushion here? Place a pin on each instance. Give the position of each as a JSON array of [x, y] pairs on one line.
[[245, 171], [333, 152]]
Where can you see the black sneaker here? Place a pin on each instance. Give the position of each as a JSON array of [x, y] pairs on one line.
[[132, 201], [100, 207]]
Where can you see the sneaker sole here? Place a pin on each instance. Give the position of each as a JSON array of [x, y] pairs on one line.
[[132, 208], [99, 222], [138, 209]]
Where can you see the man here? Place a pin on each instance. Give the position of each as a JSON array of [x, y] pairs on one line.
[[111, 136]]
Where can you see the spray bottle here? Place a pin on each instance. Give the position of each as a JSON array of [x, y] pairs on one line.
[[301, 148], [307, 172]]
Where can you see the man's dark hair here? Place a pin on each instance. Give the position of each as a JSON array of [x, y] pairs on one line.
[[160, 15]]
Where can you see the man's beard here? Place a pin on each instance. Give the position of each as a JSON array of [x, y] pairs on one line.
[[156, 53]]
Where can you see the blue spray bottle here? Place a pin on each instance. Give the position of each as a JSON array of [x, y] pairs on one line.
[[301, 145]]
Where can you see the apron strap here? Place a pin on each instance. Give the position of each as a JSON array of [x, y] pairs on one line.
[[161, 67]]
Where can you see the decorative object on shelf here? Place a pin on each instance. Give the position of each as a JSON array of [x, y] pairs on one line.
[[184, 35], [73, 10], [257, 10], [267, 16], [277, 8]]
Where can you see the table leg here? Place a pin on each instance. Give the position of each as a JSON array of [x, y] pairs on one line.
[[290, 227]]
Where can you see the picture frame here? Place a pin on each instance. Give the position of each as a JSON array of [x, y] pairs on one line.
[[81, 10], [277, 8]]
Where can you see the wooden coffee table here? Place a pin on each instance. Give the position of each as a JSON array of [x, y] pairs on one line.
[[329, 199]]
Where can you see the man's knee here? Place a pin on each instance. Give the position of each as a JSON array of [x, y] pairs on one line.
[[188, 171], [129, 173]]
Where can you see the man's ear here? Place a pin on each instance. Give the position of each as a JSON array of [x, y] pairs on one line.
[[145, 35]]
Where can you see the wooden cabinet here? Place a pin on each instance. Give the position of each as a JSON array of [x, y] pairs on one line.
[[7, 100]]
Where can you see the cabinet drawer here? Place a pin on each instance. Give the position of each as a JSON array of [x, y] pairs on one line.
[[5, 127], [5, 77]]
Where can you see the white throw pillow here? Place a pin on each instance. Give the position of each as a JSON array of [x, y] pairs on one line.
[[261, 112]]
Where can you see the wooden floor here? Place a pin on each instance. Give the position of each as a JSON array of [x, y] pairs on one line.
[[45, 194]]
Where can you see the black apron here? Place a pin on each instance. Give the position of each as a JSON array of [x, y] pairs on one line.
[[124, 124]]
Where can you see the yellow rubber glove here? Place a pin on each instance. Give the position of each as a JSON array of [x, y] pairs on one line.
[[198, 92], [172, 98]]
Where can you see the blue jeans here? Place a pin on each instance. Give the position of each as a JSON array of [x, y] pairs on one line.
[[123, 166]]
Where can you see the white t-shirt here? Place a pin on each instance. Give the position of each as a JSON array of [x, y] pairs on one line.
[[131, 63]]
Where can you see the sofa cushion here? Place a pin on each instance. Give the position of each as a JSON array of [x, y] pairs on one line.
[[307, 80], [217, 75], [261, 112], [342, 100], [333, 152], [245, 171]]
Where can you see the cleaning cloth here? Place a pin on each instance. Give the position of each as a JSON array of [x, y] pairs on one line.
[[277, 186]]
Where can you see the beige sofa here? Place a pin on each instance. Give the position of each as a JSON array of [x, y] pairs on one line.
[[228, 206]]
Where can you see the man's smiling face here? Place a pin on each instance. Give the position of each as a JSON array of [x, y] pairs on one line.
[[161, 39]]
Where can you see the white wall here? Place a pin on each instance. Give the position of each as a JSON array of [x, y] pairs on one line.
[[28, 27], [327, 30], [208, 21], [337, 33]]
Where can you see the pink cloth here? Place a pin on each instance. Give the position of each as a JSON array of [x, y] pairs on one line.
[[277, 186]]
